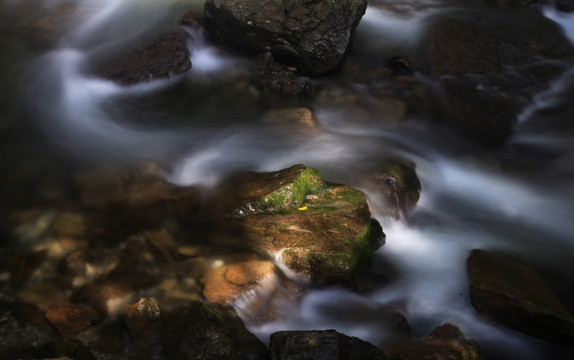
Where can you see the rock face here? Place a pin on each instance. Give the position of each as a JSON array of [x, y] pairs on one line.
[[165, 56], [71, 319], [516, 296], [443, 343], [203, 331], [320, 229], [320, 345], [315, 36], [490, 67]]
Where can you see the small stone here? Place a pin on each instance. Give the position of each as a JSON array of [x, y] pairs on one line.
[[300, 116], [71, 319], [444, 342], [224, 284], [143, 319]]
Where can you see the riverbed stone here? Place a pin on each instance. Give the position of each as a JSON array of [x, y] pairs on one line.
[[299, 115], [515, 295], [71, 319], [313, 36], [164, 57], [317, 228], [321, 345], [228, 282], [209, 331], [143, 319], [443, 343]]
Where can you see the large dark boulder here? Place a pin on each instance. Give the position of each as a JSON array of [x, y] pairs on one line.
[[321, 345], [315, 36], [516, 296], [489, 67]]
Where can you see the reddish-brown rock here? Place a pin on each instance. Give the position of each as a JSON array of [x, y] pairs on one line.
[[143, 319], [71, 319]]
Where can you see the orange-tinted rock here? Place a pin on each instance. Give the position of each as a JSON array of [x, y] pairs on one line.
[[143, 319], [299, 116], [226, 283], [71, 319]]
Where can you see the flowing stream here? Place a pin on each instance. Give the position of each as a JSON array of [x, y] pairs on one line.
[[516, 198]]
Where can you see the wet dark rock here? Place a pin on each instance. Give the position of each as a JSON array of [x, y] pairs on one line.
[[564, 5], [226, 283], [201, 331], [73, 349], [143, 319], [443, 343], [320, 345], [451, 52], [107, 345], [516, 296], [373, 76], [482, 66], [164, 57], [321, 229], [286, 83], [111, 187], [401, 65], [21, 267], [401, 186], [71, 319], [191, 19], [313, 36]]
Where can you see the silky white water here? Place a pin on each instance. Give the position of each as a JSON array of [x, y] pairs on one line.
[[472, 197]]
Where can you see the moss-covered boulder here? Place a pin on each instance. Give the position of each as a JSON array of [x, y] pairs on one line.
[[317, 228], [314, 36], [515, 295], [202, 331]]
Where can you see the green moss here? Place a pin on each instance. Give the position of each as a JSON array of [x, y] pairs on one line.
[[407, 181], [350, 266], [309, 182]]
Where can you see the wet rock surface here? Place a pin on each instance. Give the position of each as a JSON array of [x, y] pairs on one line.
[[477, 62], [164, 57], [444, 342], [515, 295], [320, 345], [314, 36], [319, 229], [71, 319], [202, 331]]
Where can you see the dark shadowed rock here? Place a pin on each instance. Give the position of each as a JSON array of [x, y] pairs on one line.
[[314, 36], [201, 332], [73, 349], [485, 68], [71, 319], [444, 343], [165, 56], [321, 345], [21, 267], [516, 296]]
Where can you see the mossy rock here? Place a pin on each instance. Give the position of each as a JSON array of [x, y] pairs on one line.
[[317, 228]]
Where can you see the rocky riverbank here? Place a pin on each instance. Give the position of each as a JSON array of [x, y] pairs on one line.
[[120, 263]]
